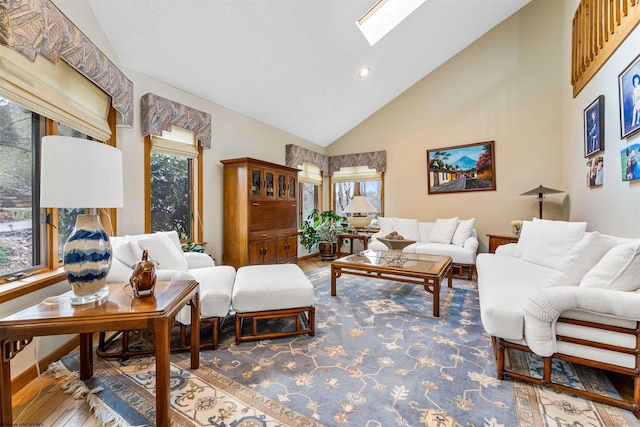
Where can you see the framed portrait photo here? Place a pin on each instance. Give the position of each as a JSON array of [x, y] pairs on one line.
[[630, 162], [594, 127], [462, 168], [629, 85]]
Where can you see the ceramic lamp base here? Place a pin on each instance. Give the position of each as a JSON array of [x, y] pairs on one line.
[[359, 221], [87, 260]]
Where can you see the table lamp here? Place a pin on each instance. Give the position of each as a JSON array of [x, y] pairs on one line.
[[358, 206], [80, 173], [540, 191]]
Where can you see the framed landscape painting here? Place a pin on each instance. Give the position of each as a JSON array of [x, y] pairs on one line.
[[594, 127], [462, 168], [629, 85]]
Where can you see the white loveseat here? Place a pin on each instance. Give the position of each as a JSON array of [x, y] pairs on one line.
[[451, 236], [563, 293], [215, 282]]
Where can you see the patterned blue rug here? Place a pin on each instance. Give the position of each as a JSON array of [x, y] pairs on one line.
[[379, 358]]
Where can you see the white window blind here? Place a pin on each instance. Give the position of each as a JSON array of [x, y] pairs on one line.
[[356, 174], [310, 174], [177, 142], [55, 91]]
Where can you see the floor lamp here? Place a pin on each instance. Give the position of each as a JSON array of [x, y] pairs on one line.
[[540, 191], [80, 173]]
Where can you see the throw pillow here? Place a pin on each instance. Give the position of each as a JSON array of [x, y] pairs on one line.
[[581, 258], [523, 239], [164, 252], [407, 228], [443, 230], [173, 236], [464, 230], [619, 269], [386, 225], [126, 251], [549, 241]]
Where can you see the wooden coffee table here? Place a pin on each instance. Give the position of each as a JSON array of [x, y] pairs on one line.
[[419, 269], [119, 312]]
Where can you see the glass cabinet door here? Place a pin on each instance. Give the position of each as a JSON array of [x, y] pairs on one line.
[[282, 186], [256, 182], [292, 187], [269, 184]]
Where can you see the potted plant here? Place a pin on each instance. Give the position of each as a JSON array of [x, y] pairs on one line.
[[322, 229]]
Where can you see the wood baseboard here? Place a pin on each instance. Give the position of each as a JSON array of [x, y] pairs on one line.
[[31, 373]]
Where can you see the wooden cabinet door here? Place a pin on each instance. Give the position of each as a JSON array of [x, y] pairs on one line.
[[287, 246], [262, 252]]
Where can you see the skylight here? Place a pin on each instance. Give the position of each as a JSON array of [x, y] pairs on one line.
[[384, 16]]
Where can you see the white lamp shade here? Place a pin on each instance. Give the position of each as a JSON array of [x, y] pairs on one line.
[[359, 204], [80, 173]]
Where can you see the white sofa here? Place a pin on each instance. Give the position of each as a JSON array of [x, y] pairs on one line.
[[451, 236], [563, 293], [215, 282]]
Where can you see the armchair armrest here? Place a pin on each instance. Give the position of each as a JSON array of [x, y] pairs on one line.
[[471, 244], [508, 249], [545, 307], [198, 260]]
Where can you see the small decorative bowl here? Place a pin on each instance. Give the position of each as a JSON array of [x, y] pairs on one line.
[[396, 245]]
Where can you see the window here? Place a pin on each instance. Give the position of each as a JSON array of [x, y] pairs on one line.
[[357, 181], [175, 184], [309, 190], [25, 244]]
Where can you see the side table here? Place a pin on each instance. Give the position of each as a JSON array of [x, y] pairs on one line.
[[496, 240], [120, 312], [364, 238]]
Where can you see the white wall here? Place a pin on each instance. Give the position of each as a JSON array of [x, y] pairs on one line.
[[614, 207]]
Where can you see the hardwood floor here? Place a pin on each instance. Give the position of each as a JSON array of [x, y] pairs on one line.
[[52, 407]]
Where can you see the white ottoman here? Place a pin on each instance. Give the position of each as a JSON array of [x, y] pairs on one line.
[[264, 292]]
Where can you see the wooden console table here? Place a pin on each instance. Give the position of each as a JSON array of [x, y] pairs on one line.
[[56, 316], [496, 240]]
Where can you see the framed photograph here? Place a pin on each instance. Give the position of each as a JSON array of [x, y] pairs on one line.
[[594, 127], [630, 162], [595, 171], [462, 168], [629, 85]]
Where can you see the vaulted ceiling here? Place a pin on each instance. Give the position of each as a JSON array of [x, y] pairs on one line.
[[292, 64]]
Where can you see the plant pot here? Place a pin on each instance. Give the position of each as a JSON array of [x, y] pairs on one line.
[[327, 250]]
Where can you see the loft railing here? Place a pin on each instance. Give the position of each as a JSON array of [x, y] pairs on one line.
[[599, 27]]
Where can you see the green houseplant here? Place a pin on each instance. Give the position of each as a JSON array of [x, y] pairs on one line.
[[322, 229]]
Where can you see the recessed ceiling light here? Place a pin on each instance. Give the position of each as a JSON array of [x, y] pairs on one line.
[[384, 16], [364, 72]]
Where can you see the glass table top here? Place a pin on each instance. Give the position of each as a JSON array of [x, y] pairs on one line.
[[397, 259]]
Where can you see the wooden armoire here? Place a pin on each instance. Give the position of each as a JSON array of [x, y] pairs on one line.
[[260, 213]]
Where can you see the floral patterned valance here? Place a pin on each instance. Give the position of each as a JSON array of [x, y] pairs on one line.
[[160, 114], [374, 159], [296, 156], [37, 27]]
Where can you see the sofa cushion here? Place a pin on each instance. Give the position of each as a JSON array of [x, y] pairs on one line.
[[216, 285], [443, 230], [523, 239], [126, 251], [386, 226], [458, 254], [463, 231], [619, 269], [163, 251], [549, 241], [504, 292], [580, 259], [408, 228]]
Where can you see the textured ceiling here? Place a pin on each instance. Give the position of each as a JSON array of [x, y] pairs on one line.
[[292, 64]]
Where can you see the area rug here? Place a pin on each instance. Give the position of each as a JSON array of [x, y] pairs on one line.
[[379, 358]]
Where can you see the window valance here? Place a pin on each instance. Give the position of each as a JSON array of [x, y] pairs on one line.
[[37, 27], [160, 114], [374, 160], [296, 156]]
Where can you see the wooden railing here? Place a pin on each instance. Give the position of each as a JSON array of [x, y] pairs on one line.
[[599, 27]]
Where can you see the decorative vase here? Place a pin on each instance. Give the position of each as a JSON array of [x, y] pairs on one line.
[[87, 260]]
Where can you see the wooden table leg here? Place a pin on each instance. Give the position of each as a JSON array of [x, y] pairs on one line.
[[86, 356], [195, 332], [450, 276], [6, 416], [436, 297], [335, 272], [162, 335]]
